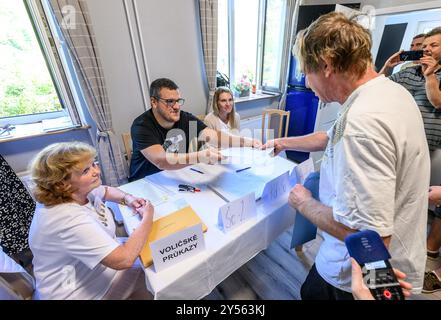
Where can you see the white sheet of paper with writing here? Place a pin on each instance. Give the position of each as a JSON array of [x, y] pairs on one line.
[[301, 171], [234, 213], [276, 188], [235, 185]]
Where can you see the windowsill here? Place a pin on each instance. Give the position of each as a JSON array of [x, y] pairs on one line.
[[256, 96], [32, 130]]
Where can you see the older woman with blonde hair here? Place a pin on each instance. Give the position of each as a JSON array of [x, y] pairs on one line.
[[72, 235], [224, 116]]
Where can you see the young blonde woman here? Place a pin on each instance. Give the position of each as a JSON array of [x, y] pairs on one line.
[[224, 116], [72, 235]]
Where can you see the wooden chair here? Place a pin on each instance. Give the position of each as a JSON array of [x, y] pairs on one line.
[[283, 123], [201, 117], [127, 140]]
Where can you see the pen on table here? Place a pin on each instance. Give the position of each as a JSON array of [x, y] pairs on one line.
[[243, 169], [186, 187], [196, 170]]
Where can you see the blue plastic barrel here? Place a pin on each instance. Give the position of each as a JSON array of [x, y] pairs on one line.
[[302, 104]]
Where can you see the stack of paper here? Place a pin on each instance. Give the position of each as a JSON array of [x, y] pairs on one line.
[[148, 190], [247, 154], [233, 185]]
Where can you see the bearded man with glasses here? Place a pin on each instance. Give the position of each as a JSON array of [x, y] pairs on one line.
[[161, 136]]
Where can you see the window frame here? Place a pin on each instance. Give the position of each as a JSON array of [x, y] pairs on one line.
[[44, 36], [282, 58], [260, 46]]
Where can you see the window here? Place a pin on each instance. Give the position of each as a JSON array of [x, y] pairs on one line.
[[223, 64], [31, 85], [246, 13], [273, 46], [426, 26], [251, 41]]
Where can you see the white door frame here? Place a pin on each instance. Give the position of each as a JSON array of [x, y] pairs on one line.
[[409, 7]]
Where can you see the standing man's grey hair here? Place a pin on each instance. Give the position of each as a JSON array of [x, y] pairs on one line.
[[160, 83], [338, 39]]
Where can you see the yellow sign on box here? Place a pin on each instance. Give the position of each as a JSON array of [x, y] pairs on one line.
[[165, 226]]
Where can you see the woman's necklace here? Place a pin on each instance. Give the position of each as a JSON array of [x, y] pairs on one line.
[[102, 214]]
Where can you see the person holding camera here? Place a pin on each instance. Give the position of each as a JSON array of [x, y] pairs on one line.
[[396, 59], [423, 82]]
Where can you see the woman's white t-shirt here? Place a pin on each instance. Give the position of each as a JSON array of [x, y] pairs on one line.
[[68, 242]]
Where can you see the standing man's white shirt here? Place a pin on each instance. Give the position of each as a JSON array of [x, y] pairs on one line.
[[69, 241], [375, 175]]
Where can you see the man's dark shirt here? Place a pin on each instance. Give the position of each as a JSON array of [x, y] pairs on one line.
[[146, 132]]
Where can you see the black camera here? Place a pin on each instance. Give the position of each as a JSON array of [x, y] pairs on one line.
[[411, 55]]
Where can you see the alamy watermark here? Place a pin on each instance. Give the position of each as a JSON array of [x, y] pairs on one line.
[[69, 20]]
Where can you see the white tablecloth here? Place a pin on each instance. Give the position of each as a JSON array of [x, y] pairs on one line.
[[197, 276]]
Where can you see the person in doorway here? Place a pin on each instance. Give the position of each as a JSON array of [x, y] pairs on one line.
[[423, 83], [416, 44]]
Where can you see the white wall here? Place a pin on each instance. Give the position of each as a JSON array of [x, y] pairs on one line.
[[115, 49], [171, 36], [172, 49]]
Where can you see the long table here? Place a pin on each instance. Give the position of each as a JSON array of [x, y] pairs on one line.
[[197, 276]]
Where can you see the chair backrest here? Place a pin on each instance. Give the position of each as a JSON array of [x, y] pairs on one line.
[[283, 123], [127, 140], [201, 117]]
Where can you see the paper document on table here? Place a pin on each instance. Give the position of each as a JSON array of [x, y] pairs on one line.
[[233, 185], [246, 152], [148, 190]]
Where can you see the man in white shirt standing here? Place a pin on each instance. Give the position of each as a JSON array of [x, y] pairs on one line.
[[375, 170]]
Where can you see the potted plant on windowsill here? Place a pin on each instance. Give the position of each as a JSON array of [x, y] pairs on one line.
[[242, 88]]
